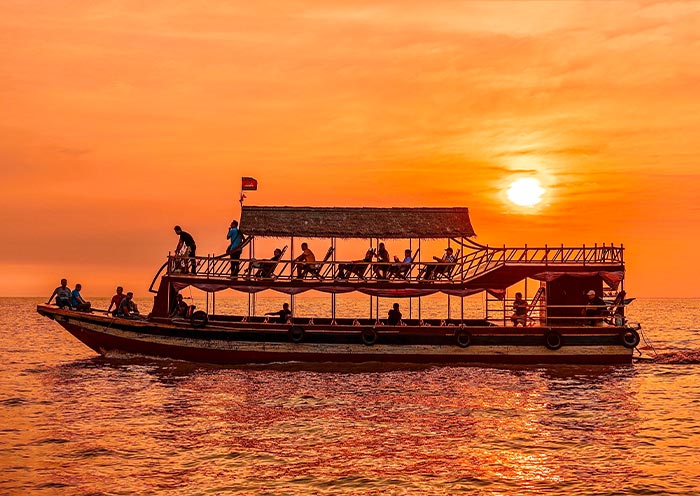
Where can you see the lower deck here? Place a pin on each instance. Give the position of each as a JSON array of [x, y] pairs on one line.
[[231, 340]]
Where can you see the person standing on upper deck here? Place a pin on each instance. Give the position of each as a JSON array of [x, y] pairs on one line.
[[234, 250], [190, 248]]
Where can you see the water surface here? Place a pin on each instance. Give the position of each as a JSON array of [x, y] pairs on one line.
[[75, 423]]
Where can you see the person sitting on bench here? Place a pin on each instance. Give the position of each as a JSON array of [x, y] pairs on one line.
[[394, 316]]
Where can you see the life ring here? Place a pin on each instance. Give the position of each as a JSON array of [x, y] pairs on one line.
[[369, 336], [629, 338], [199, 319], [464, 338], [552, 340], [296, 334]]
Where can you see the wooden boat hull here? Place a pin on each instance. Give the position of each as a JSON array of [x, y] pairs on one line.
[[250, 343]]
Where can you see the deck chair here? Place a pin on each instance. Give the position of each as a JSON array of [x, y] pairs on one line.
[[357, 269], [403, 271], [266, 268], [445, 271], [613, 315], [316, 268]]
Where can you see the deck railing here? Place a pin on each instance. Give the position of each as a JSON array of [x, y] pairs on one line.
[[474, 263]]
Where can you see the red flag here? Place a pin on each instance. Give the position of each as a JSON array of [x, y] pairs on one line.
[[249, 184]]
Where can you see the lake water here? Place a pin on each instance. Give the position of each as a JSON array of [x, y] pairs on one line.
[[75, 423]]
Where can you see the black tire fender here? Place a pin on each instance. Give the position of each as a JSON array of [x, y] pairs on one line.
[[629, 338], [552, 340], [199, 319], [463, 338], [369, 336], [296, 334]]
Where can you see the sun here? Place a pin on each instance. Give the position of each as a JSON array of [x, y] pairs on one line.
[[526, 192]]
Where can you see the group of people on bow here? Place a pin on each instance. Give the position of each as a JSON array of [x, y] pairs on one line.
[[123, 304]]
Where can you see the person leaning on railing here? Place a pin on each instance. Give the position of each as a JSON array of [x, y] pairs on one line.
[[284, 314]]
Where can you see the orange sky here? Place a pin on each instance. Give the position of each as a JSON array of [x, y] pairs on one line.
[[120, 119]]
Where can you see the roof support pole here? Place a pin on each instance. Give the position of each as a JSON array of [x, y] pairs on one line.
[[449, 301], [251, 254], [419, 298], [333, 275], [410, 300], [291, 274]]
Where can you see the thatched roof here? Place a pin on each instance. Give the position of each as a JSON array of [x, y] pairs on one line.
[[353, 222]]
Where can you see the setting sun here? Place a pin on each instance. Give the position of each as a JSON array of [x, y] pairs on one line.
[[525, 192]]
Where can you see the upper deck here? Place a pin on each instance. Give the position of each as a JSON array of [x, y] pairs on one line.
[[477, 268]]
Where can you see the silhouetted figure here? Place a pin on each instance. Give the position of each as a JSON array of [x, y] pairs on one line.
[[62, 294], [186, 247], [595, 308], [234, 249], [306, 262], [77, 301], [127, 308], [284, 314], [519, 316], [116, 300], [394, 315]]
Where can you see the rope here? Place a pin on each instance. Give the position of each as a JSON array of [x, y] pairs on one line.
[[647, 342]]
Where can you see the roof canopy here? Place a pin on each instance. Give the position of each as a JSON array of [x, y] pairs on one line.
[[354, 222]]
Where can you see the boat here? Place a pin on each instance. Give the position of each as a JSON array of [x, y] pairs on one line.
[[552, 330]]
